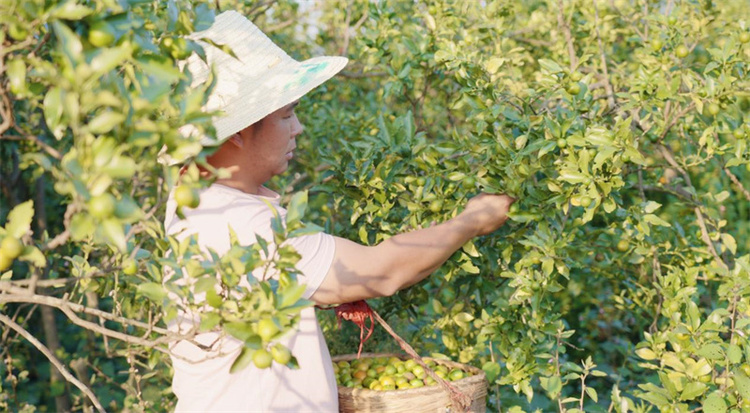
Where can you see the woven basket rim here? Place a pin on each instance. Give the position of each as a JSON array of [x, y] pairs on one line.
[[477, 379]]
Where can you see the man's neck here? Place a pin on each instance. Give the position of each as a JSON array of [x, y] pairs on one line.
[[240, 185]]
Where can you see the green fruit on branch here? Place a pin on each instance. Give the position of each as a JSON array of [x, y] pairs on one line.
[[573, 88], [5, 261], [129, 267], [713, 109], [281, 354], [267, 329], [17, 32], [656, 45], [11, 246], [623, 245], [186, 196], [744, 37], [102, 206], [681, 51], [101, 34], [262, 358]]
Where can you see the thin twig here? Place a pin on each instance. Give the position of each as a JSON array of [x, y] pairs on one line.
[[568, 37], [707, 240], [54, 360], [607, 84], [737, 182]]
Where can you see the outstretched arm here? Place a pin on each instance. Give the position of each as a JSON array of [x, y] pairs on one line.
[[361, 272]]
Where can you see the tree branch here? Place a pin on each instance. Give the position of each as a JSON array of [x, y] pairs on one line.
[[54, 360], [14, 294], [607, 84], [568, 37], [737, 182], [707, 240]]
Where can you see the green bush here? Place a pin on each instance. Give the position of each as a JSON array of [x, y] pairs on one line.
[[621, 282]]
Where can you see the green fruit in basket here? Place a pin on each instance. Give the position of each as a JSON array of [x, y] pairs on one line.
[[385, 374], [456, 374], [419, 372], [362, 366], [403, 385], [416, 383]]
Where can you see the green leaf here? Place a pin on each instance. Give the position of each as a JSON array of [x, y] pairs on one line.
[[209, 321], [655, 220], [714, 403], [711, 351], [646, 353], [153, 291], [693, 390], [214, 299], [592, 393], [16, 72], [550, 66], [292, 295], [242, 361], [491, 370], [19, 219], [105, 122], [53, 111], [82, 226], [240, 330], [742, 383], [729, 242], [68, 42], [34, 256], [108, 59], [160, 68], [734, 353], [71, 10], [651, 206], [112, 232], [553, 385], [297, 207]]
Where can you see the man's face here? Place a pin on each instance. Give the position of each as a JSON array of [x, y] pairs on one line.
[[269, 144]]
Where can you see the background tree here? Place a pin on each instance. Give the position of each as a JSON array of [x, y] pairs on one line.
[[621, 283]]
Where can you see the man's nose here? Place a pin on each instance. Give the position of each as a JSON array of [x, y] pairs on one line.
[[297, 129]]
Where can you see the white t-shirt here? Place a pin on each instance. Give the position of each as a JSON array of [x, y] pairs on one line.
[[207, 385]]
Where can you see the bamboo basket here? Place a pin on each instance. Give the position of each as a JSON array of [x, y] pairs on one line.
[[428, 399]]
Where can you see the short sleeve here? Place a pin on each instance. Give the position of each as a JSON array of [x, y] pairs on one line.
[[316, 253], [252, 218]]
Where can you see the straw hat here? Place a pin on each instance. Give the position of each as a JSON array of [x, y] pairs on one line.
[[261, 80]]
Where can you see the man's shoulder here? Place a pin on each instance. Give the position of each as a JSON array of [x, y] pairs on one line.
[[235, 205]]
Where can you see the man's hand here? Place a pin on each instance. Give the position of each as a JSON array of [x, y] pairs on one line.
[[486, 212]]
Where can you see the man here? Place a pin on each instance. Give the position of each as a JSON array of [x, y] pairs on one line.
[[257, 136]]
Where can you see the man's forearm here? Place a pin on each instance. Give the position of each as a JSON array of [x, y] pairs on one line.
[[415, 255]]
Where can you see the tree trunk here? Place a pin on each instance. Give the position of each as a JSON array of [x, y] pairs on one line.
[[51, 338]]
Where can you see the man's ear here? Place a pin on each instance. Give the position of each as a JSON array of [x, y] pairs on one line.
[[236, 140]]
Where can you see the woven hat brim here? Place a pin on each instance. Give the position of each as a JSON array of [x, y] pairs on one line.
[[290, 81]]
